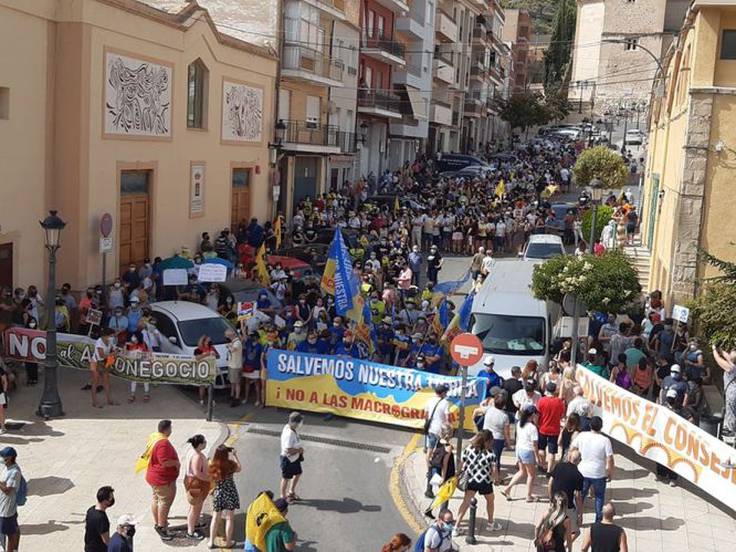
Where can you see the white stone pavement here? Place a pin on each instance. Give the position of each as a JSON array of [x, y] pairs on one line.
[[657, 517], [66, 460]]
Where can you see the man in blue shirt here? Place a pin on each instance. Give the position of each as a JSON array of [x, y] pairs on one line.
[[348, 347], [415, 263], [494, 380], [337, 331], [676, 382], [385, 335], [401, 346], [122, 539], [313, 345], [432, 352]]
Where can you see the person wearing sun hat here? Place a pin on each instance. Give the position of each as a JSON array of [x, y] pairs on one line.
[[122, 539]]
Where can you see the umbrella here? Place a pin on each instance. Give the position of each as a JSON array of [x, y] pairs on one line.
[[217, 260], [176, 262]]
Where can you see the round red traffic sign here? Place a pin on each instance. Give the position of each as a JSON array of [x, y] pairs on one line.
[[466, 349], [106, 225]]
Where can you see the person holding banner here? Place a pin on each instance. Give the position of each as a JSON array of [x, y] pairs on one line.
[[204, 349], [100, 366]]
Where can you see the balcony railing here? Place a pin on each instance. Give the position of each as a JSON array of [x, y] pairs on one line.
[[443, 56], [481, 33], [312, 133], [389, 46], [346, 141], [473, 108], [455, 118], [301, 58], [380, 99]]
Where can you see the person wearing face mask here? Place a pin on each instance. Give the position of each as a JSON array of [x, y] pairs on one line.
[[409, 314], [694, 363], [134, 315], [130, 279], [292, 456], [118, 322], [312, 345], [297, 336], [348, 347], [122, 539], [673, 382], [136, 348], [99, 366], [96, 522], [438, 536], [337, 331], [432, 352], [116, 295]]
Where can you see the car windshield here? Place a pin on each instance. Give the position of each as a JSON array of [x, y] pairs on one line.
[[510, 335], [192, 330], [543, 250]]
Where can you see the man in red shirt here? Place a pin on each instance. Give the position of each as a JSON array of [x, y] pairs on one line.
[[551, 410], [163, 469]]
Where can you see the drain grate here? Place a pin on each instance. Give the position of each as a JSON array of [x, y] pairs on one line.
[[324, 440]]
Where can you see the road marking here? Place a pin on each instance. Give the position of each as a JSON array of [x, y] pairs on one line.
[[324, 440], [395, 487], [234, 427]]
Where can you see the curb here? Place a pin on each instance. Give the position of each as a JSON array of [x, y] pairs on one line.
[[414, 508]]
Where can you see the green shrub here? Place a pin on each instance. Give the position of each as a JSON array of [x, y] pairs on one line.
[[603, 215], [604, 163]]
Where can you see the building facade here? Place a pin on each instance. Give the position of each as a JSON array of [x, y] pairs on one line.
[[611, 67], [158, 118], [516, 32], [688, 194]]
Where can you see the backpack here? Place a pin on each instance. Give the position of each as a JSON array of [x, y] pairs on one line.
[[21, 495], [420, 544]]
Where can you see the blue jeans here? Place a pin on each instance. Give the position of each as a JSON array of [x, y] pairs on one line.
[[599, 489]]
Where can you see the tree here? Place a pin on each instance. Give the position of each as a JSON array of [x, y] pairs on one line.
[[603, 215], [713, 311], [524, 110], [555, 100], [603, 163], [607, 283], [557, 57]]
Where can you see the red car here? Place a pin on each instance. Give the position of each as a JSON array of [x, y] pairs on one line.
[[298, 268]]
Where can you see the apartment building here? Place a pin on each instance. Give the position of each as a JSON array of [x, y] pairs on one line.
[[152, 112], [516, 32], [443, 129]]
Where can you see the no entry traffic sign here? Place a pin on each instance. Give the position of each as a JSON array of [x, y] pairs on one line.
[[466, 349]]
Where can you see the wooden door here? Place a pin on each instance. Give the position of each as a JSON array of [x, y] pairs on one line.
[[134, 217], [240, 197], [6, 265]]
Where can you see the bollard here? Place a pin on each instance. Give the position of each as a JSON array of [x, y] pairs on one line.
[[470, 539]]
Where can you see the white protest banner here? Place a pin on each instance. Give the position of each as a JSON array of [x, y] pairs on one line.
[[175, 277], [681, 314], [212, 272], [659, 434]]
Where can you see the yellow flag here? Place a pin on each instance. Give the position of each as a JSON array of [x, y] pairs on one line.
[[397, 206], [501, 189], [277, 231], [142, 462], [445, 492], [261, 515], [262, 274]]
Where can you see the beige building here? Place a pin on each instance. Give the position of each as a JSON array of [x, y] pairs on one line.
[[619, 73], [688, 199], [113, 106]]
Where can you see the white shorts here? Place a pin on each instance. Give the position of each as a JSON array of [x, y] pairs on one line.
[[254, 375], [3, 399]]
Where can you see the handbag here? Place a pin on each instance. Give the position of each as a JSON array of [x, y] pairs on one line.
[[436, 480], [463, 478]]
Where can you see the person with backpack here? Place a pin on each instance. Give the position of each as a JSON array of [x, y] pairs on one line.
[[438, 536], [441, 460], [553, 530], [13, 493], [436, 412]]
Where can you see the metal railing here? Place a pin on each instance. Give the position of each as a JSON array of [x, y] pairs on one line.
[[443, 56], [473, 108], [389, 46], [381, 99], [301, 58], [312, 133], [347, 141]]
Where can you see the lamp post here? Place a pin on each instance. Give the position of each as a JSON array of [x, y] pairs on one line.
[[50, 405], [596, 194], [363, 135]]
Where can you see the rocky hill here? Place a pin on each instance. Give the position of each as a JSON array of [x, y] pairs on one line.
[[542, 13]]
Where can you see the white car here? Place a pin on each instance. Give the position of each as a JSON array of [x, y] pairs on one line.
[[634, 137], [541, 247], [182, 323]]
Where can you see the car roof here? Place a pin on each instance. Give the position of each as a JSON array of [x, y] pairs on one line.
[[287, 262], [184, 310], [544, 238], [507, 290]]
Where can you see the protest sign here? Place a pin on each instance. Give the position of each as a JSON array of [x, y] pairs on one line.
[[361, 389], [212, 272], [176, 277]]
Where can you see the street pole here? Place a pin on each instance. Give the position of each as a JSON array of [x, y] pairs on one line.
[[592, 226], [461, 423], [574, 348], [50, 405], [626, 128]]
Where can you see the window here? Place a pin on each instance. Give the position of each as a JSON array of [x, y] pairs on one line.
[[313, 109], [134, 182], [197, 95], [728, 44], [381, 26], [510, 334], [631, 44], [371, 22], [284, 104], [4, 102], [241, 178], [369, 77]]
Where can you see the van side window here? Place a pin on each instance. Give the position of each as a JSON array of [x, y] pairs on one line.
[[165, 324]]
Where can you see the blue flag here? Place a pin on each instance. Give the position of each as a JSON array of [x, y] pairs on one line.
[[443, 289], [465, 311], [337, 278]]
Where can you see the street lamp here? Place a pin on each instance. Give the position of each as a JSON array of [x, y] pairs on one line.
[[50, 405], [363, 135], [595, 188]]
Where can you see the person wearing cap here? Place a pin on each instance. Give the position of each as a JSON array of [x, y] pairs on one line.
[[10, 479], [409, 314], [292, 456], [597, 463], [596, 363], [281, 537], [527, 451], [434, 263], [385, 336], [134, 314], [551, 410], [313, 344], [122, 538], [96, 522], [297, 336], [673, 382], [488, 372]]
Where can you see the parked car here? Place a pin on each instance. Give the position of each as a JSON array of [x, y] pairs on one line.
[[314, 253], [560, 210], [456, 161], [634, 137], [325, 235], [299, 269], [182, 323], [541, 247], [471, 171]]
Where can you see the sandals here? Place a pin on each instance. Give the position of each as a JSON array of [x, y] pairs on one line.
[[506, 494], [532, 499], [292, 497]]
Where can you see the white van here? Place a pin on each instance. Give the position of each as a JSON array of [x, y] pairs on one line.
[[182, 323], [512, 325]]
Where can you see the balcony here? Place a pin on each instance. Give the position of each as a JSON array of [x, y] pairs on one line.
[[445, 27], [387, 51], [333, 8], [482, 35], [380, 103], [410, 26], [440, 113], [305, 64], [311, 137], [347, 141], [443, 71], [473, 108], [400, 7], [496, 75], [478, 70]]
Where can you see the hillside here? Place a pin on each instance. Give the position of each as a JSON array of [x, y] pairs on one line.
[[542, 13]]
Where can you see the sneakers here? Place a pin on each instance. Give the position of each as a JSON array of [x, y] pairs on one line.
[[195, 536], [163, 532], [456, 532], [495, 526]]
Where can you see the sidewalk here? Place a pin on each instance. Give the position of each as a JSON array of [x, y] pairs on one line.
[[657, 517], [66, 460]]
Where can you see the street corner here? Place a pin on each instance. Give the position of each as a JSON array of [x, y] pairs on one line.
[[406, 480]]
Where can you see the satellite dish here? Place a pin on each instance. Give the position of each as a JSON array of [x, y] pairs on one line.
[[569, 304]]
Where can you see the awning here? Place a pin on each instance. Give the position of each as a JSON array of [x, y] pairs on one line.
[[418, 103]]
